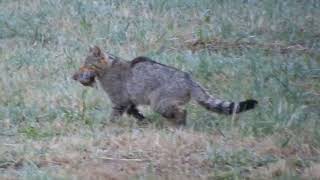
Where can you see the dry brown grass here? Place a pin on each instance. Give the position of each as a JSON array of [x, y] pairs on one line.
[[312, 172], [121, 153]]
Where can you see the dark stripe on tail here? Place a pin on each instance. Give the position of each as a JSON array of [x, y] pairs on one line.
[[243, 106]]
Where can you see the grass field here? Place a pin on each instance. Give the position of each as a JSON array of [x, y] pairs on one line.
[[50, 126]]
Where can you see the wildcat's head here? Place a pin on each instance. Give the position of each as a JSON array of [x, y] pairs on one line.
[[93, 66]]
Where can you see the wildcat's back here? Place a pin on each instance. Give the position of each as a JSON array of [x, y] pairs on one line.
[[150, 79]]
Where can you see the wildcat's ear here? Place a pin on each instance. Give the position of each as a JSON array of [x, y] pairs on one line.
[[95, 50]]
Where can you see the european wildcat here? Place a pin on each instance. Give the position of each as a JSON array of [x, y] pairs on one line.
[[146, 82]]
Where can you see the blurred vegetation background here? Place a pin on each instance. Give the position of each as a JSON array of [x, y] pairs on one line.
[[267, 50]]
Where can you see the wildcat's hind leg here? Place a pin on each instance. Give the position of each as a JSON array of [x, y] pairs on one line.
[[172, 112]]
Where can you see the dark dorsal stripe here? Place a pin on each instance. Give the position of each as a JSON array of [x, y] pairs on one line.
[[140, 59]]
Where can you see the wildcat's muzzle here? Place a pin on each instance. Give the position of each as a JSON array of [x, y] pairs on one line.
[[85, 76]]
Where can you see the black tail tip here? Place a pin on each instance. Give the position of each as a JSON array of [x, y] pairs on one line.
[[247, 105]]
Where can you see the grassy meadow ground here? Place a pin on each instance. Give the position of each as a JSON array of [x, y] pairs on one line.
[[268, 50]]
